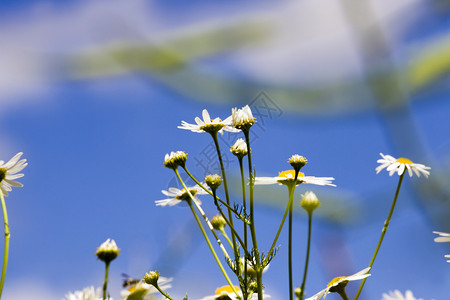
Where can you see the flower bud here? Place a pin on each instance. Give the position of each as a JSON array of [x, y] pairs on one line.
[[175, 160], [218, 222], [239, 149], [107, 251], [309, 202], [297, 162], [213, 181], [151, 278]]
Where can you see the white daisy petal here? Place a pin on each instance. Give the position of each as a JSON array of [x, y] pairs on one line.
[[9, 171], [393, 165]]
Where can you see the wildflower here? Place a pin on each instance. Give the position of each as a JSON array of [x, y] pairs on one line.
[[213, 181], [287, 177], [443, 237], [8, 172], [397, 295], [401, 164], [107, 251], [226, 293], [88, 293], [239, 148], [309, 202], [218, 222], [151, 278], [208, 125], [175, 160], [242, 118], [141, 290], [338, 284], [297, 161], [178, 195]]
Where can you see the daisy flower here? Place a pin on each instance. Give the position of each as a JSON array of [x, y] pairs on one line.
[[443, 237], [242, 118], [8, 172], [226, 293], [399, 165], [175, 159], [287, 177], [340, 283], [397, 295], [107, 251], [177, 195], [208, 125], [141, 290], [88, 293], [239, 148]]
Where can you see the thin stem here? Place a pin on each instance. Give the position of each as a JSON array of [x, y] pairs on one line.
[[7, 236], [343, 294], [291, 208], [291, 199], [227, 196], [383, 232], [105, 283], [308, 247], [205, 235], [244, 204], [209, 192], [199, 208], [229, 224], [162, 292], [252, 216], [224, 233]]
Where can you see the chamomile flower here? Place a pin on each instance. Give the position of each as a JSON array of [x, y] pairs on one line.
[[175, 160], [88, 293], [340, 283], [399, 165], [239, 148], [242, 118], [8, 172], [226, 293], [107, 251], [208, 125], [177, 195], [142, 290], [443, 237], [397, 295], [287, 177]]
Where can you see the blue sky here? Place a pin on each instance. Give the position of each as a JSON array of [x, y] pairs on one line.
[[95, 146]]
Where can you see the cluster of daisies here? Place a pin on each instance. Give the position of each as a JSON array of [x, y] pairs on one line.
[[240, 120]]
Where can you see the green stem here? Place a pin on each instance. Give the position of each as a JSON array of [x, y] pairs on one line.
[[224, 233], [105, 283], [162, 292], [209, 192], [383, 232], [291, 284], [199, 208], [244, 204], [252, 216], [343, 294], [229, 225], [227, 197], [7, 236], [291, 199], [205, 235], [308, 247]]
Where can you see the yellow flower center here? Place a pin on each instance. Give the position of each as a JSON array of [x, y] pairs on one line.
[[184, 196], [290, 174], [2, 174], [226, 289], [335, 280], [403, 160]]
